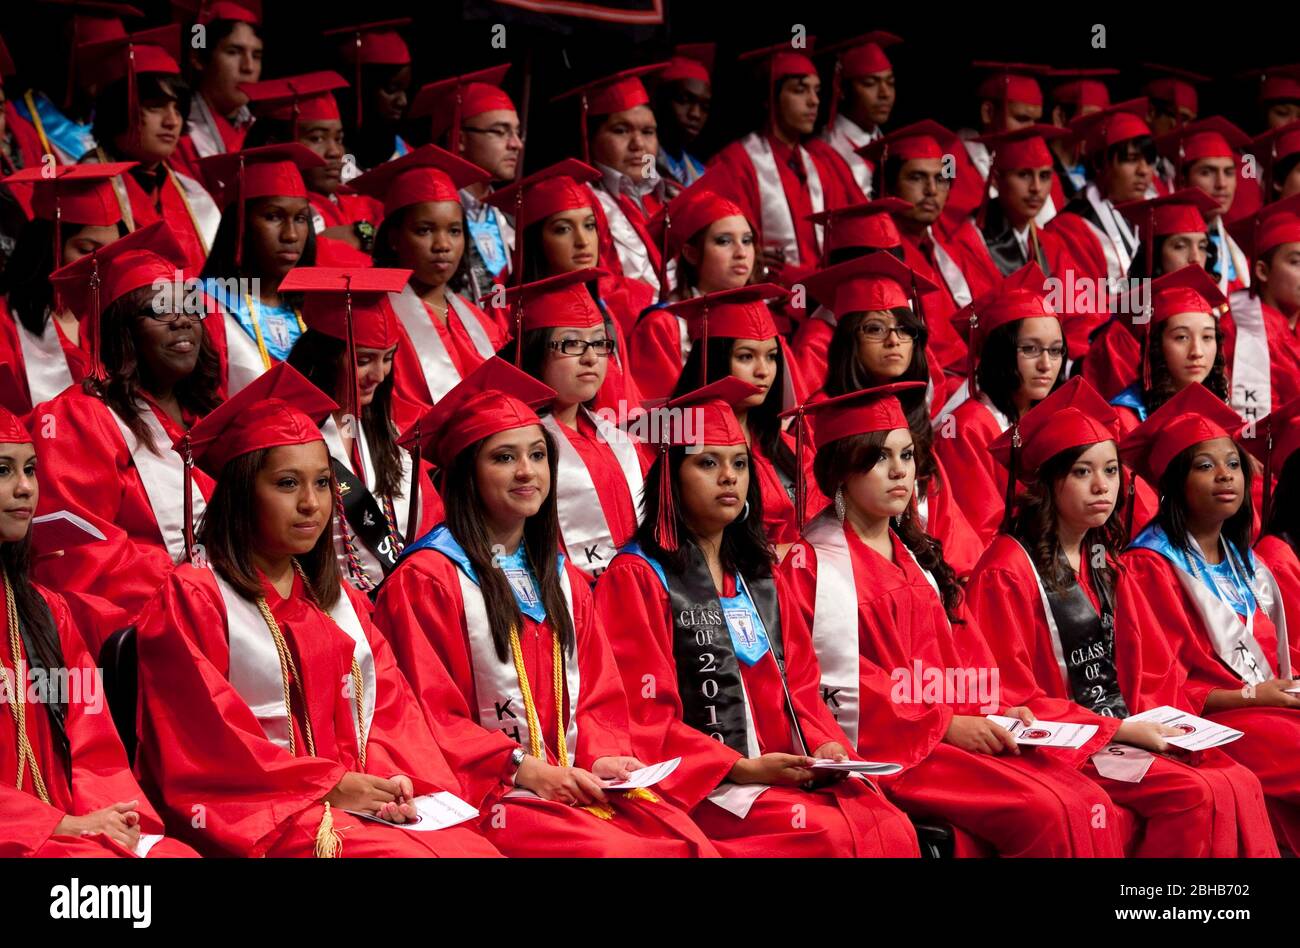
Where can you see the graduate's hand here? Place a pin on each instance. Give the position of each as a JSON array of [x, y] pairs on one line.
[[1272, 694], [615, 768], [1024, 714], [979, 735], [571, 785], [831, 750], [119, 822], [787, 770], [364, 793], [1147, 735], [403, 808]]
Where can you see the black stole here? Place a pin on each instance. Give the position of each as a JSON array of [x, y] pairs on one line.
[[1003, 247], [1088, 646], [366, 517], [708, 672]]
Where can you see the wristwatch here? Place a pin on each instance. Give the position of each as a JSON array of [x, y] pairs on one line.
[[516, 761]]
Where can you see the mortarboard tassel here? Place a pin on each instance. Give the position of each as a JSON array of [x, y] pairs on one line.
[[970, 354], [586, 146], [1268, 479], [357, 87], [58, 244], [837, 85], [1132, 500], [1010, 498], [96, 364], [663, 257], [187, 518], [132, 94], [239, 220], [517, 266], [1146, 349], [666, 522], [453, 144], [704, 344], [918, 308], [413, 513], [800, 482], [353, 406]]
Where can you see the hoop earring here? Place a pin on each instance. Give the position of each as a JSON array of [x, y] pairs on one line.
[[744, 514], [839, 502]]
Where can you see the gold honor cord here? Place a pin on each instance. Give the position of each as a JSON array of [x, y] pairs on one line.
[[267, 361], [18, 707]]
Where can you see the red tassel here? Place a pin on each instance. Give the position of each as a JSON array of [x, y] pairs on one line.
[[704, 345], [1010, 498], [663, 257], [58, 246], [187, 454], [586, 146], [453, 145], [837, 85], [517, 276], [918, 309], [96, 364], [1146, 349], [357, 87], [519, 329], [239, 221], [1268, 480], [353, 406], [132, 95], [800, 486], [970, 354], [666, 522], [1132, 494], [413, 513]]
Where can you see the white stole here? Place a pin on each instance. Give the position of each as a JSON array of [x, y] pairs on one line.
[[633, 256], [1239, 261], [440, 373], [1111, 236], [163, 477], [953, 278], [496, 683], [777, 219], [244, 363], [583, 524], [206, 215], [255, 671], [846, 137], [835, 622], [1252, 394], [46, 364]]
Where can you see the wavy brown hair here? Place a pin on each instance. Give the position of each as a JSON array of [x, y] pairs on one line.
[[1163, 386], [833, 465]]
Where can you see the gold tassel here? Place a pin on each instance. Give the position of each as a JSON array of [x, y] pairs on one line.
[[600, 810], [329, 841], [641, 793]]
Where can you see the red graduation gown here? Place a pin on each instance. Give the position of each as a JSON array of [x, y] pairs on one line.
[[778, 509], [1191, 806], [1281, 559], [11, 351], [89, 472], [343, 208], [612, 492], [206, 754], [978, 481], [947, 523], [171, 205], [100, 774], [847, 818], [1034, 804], [1270, 732], [421, 610], [939, 305], [655, 354], [29, 147], [1081, 240], [1114, 358], [1283, 353]]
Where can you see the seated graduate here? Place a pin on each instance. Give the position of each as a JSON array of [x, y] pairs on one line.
[[250, 743], [1055, 570], [496, 630], [107, 442], [1278, 544], [348, 353], [878, 595], [1219, 607], [67, 786], [717, 662]]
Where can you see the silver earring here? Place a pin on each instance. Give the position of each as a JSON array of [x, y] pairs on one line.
[[744, 513], [839, 502]]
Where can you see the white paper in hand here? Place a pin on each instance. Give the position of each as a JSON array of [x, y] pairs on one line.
[[433, 811], [871, 767], [1198, 733], [1046, 733], [646, 776]]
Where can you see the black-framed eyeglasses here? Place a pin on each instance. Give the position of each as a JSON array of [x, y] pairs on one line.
[[169, 316], [879, 332], [499, 132], [1032, 350], [579, 347]]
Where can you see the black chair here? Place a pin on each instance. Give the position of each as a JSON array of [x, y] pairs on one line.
[[118, 660], [936, 841]]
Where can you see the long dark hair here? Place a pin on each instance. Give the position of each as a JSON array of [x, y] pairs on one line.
[[745, 547], [1163, 386], [1035, 526], [1138, 268], [112, 107], [845, 373], [386, 256], [1284, 514], [458, 487], [763, 421], [221, 257], [322, 360], [229, 525], [122, 391], [1173, 514], [833, 465], [34, 616], [373, 141], [26, 277], [998, 371]]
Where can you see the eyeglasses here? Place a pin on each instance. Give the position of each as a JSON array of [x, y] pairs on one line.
[[879, 332], [579, 347], [499, 132], [168, 316], [1033, 351]]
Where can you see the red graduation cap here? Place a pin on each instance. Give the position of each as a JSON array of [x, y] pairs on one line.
[[268, 171], [308, 97], [871, 283], [617, 93], [714, 410], [739, 313], [1022, 147], [867, 224], [783, 59], [1273, 146], [372, 44], [1011, 82], [690, 212], [1082, 88], [1175, 86], [1190, 417], [1213, 137], [1271, 226], [920, 140], [92, 283], [451, 101], [1277, 83], [244, 11], [1274, 438], [860, 56], [1188, 289], [690, 61], [1021, 295], [428, 173], [12, 431], [845, 416], [7, 67], [148, 51], [549, 191], [1105, 127], [93, 21], [1182, 212], [277, 409], [562, 300]]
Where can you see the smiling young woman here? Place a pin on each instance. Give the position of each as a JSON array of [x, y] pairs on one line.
[[108, 440], [486, 613]]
